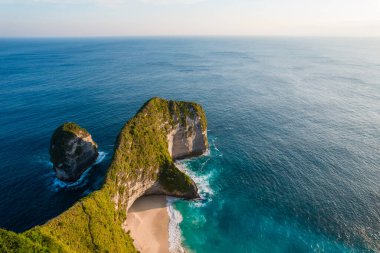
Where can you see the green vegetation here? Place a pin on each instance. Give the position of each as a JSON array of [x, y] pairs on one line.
[[73, 128], [91, 225], [94, 224], [12, 242], [142, 148], [175, 180]]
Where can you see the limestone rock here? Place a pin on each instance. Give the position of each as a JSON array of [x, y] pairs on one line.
[[72, 151], [187, 140]]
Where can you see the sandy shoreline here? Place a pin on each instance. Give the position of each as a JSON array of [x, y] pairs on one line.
[[148, 221]]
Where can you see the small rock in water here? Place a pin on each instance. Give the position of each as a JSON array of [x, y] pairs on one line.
[[72, 151]]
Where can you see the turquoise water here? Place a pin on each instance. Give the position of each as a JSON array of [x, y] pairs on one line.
[[294, 127]]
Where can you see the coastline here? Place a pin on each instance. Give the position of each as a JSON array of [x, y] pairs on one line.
[[153, 221], [148, 223]]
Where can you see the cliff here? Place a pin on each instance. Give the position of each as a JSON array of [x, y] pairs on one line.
[[142, 164], [146, 153], [72, 151], [188, 137]]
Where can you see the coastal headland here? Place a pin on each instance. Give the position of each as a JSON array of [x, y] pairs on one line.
[[161, 132]]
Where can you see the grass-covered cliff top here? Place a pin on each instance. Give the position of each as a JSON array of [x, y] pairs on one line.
[[73, 128], [94, 224]]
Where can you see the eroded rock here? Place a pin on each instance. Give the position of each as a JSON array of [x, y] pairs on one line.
[[72, 151]]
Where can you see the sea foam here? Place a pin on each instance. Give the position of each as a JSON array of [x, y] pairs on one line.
[[202, 181], [57, 185], [204, 189], [175, 235]]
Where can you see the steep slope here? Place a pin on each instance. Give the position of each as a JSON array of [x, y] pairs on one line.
[[142, 164]]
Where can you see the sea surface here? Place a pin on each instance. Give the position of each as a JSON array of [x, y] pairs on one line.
[[294, 128]]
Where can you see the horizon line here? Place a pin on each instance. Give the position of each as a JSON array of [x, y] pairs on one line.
[[188, 36]]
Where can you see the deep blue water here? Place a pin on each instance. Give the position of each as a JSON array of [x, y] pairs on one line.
[[294, 124]]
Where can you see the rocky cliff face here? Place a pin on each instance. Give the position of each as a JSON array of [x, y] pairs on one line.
[[187, 140], [72, 151]]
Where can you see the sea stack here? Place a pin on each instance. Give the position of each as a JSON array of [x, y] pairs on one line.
[[72, 151]]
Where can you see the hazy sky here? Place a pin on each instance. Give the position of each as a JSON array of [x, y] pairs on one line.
[[189, 17]]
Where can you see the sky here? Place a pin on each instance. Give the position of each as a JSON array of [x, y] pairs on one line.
[[82, 18]]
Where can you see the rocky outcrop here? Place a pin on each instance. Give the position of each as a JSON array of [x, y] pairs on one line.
[[157, 189], [72, 151]]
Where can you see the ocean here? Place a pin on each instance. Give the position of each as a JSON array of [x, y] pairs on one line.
[[293, 125]]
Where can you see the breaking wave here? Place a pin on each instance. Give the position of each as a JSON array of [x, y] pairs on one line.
[[57, 185]]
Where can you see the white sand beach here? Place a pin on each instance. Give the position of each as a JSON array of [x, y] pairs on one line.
[[148, 222]]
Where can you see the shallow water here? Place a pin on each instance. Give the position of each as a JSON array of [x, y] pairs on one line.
[[294, 126]]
